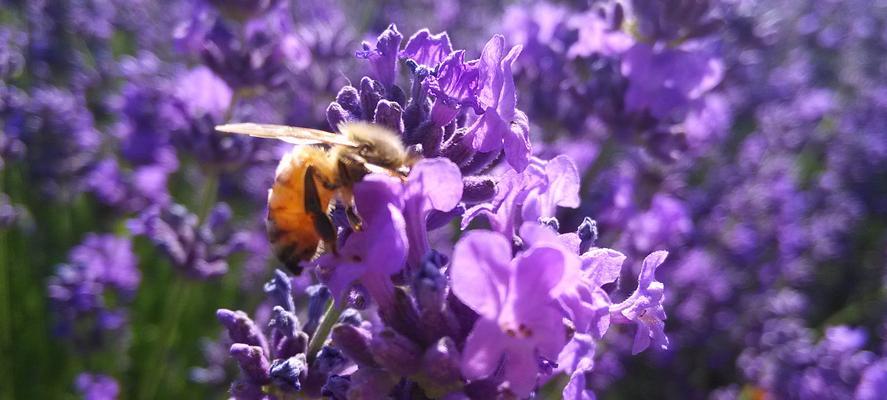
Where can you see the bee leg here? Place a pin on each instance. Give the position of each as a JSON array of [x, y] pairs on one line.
[[353, 219], [322, 222]]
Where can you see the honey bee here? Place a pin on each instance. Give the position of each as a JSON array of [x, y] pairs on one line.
[[323, 167]]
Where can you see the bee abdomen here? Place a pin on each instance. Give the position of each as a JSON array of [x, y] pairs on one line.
[[291, 247]]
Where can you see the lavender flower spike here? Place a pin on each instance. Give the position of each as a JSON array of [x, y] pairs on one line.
[[644, 307], [97, 387]]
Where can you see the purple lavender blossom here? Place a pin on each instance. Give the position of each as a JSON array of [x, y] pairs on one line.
[[61, 140], [129, 191], [426, 48], [786, 362], [151, 116], [261, 51], [515, 300], [501, 126], [363, 257], [664, 81], [873, 381], [530, 195], [383, 57], [644, 307], [12, 42], [206, 100], [599, 34], [198, 249], [101, 266], [432, 185], [97, 387]]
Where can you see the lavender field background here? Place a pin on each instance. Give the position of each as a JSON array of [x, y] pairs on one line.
[[746, 138]]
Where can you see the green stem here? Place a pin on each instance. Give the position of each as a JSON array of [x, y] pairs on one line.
[[208, 196], [7, 332], [175, 307], [5, 320], [330, 317], [178, 300]]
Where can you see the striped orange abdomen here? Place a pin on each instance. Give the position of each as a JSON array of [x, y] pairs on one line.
[[291, 228]]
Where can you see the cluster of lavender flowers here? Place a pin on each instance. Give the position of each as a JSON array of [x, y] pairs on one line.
[[771, 220], [636, 72], [511, 309]]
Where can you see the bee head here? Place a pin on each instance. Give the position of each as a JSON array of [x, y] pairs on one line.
[[376, 144]]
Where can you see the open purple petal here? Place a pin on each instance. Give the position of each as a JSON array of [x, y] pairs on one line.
[[426, 48], [483, 349], [383, 58], [480, 271]]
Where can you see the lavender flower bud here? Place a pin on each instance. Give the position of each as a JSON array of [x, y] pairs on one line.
[[336, 387], [430, 135], [402, 315], [370, 384], [252, 361], [550, 222], [395, 352], [441, 363], [241, 329], [330, 360], [397, 95], [349, 98], [288, 373], [430, 290], [588, 234], [457, 148], [284, 322], [389, 114], [351, 317], [318, 296], [370, 94], [483, 389], [354, 342], [336, 115], [429, 285], [413, 115], [280, 288], [478, 189], [479, 162], [286, 338]]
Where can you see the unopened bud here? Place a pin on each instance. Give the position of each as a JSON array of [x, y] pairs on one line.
[[252, 361], [354, 342], [395, 352], [370, 94]]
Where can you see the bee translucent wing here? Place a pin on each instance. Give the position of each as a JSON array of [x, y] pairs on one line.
[[289, 134]]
